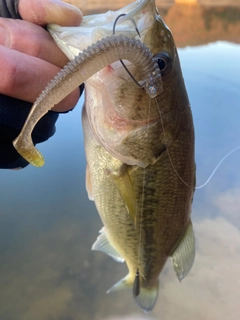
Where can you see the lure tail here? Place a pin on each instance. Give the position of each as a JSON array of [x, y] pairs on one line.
[[26, 149]]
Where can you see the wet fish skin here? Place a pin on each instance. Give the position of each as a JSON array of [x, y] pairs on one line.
[[140, 166]]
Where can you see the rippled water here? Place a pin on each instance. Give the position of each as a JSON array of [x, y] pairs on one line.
[[47, 223]]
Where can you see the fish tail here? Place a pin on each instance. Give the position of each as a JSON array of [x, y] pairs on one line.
[[147, 297]]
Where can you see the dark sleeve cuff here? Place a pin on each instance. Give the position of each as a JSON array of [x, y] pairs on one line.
[[13, 114], [9, 9]]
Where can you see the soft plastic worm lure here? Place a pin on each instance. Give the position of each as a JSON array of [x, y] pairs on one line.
[[86, 64]]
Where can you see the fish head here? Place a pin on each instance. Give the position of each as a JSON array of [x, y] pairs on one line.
[[116, 104]]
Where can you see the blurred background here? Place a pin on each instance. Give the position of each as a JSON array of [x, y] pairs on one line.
[[48, 225]]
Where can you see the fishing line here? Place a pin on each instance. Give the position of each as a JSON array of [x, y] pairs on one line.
[[141, 215], [142, 200], [217, 166], [175, 170], [144, 170], [123, 64]]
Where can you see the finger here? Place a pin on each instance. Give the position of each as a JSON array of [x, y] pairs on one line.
[[31, 39], [49, 11], [24, 77]]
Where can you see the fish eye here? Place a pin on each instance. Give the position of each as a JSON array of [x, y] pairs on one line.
[[164, 62]]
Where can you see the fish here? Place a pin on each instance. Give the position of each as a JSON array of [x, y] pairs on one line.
[[139, 148], [140, 154]]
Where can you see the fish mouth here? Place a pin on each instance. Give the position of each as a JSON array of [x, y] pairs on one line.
[[73, 40]]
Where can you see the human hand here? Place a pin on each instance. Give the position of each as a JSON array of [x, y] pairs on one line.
[[29, 58]]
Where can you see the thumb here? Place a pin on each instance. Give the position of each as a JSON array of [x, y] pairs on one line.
[[49, 11]]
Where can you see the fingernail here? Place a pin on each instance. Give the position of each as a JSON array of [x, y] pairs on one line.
[[4, 37], [65, 5], [67, 13]]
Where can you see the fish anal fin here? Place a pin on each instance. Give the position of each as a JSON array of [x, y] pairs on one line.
[[147, 297], [103, 244], [184, 254], [88, 182], [124, 185], [124, 283]]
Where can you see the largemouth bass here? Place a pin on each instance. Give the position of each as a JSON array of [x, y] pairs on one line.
[[139, 149]]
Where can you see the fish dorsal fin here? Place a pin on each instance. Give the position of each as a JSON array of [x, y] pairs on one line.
[[147, 297], [183, 256], [124, 185], [124, 283], [103, 244]]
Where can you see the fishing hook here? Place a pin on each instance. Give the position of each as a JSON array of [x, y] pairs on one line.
[[123, 64]]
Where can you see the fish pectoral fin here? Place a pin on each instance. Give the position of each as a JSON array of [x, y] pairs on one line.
[[124, 283], [183, 256], [88, 182], [124, 185], [147, 297], [103, 244]]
